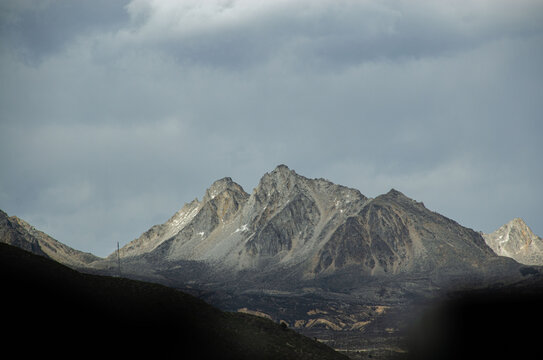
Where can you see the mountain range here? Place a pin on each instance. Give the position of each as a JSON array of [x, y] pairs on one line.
[[305, 229], [323, 258]]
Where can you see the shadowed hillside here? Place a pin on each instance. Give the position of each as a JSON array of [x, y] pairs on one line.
[[48, 308], [494, 323]]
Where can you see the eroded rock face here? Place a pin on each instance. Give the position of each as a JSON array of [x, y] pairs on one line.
[[309, 227], [516, 240], [376, 238], [394, 234], [293, 224]]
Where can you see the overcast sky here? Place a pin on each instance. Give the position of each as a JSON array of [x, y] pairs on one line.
[[114, 114]]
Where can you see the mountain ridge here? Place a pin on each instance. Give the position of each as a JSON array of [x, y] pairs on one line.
[[307, 228], [17, 232], [323, 258]]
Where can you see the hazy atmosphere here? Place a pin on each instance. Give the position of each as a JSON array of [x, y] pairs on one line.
[[113, 114]]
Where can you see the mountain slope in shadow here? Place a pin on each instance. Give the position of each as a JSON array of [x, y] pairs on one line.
[[48, 308], [498, 322]]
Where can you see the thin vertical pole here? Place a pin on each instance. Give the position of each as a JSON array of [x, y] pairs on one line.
[[119, 258]]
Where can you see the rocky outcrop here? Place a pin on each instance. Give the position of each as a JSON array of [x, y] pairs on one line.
[[516, 240], [17, 232]]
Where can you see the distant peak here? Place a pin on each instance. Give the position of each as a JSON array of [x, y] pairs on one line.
[[520, 224], [224, 180], [280, 172], [517, 221], [398, 197], [221, 185], [283, 168], [395, 193]]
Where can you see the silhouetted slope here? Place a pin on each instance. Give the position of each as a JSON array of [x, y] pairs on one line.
[[48, 308]]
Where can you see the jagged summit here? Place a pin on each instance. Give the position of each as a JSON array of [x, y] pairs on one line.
[[281, 177], [281, 171], [312, 227], [518, 222], [395, 193], [283, 167], [516, 240], [221, 185], [287, 182], [196, 220]]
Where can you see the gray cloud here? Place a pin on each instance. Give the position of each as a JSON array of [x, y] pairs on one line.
[[341, 33], [121, 118], [36, 29]]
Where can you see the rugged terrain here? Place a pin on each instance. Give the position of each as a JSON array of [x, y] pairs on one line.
[[304, 229], [325, 260], [328, 261], [517, 241]]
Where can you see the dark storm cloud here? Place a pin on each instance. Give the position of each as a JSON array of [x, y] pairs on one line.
[[123, 113], [41, 28]]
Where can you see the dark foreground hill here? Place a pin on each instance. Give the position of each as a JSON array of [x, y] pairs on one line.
[[48, 308]]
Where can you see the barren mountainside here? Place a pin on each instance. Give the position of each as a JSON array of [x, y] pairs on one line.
[[17, 232], [308, 228], [516, 240]]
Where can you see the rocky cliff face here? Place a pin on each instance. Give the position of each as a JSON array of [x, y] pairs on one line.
[[19, 233], [309, 227], [516, 240], [394, 234]]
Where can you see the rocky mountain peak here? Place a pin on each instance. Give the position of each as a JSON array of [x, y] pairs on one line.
[[517, 226], [224, 198], [222, 185], [221, 201], [516, 240], [283, 168], [281, 181], [312, 226], [17, 232], [517, 222], [395, 195], [281, 173], [397, 198]]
